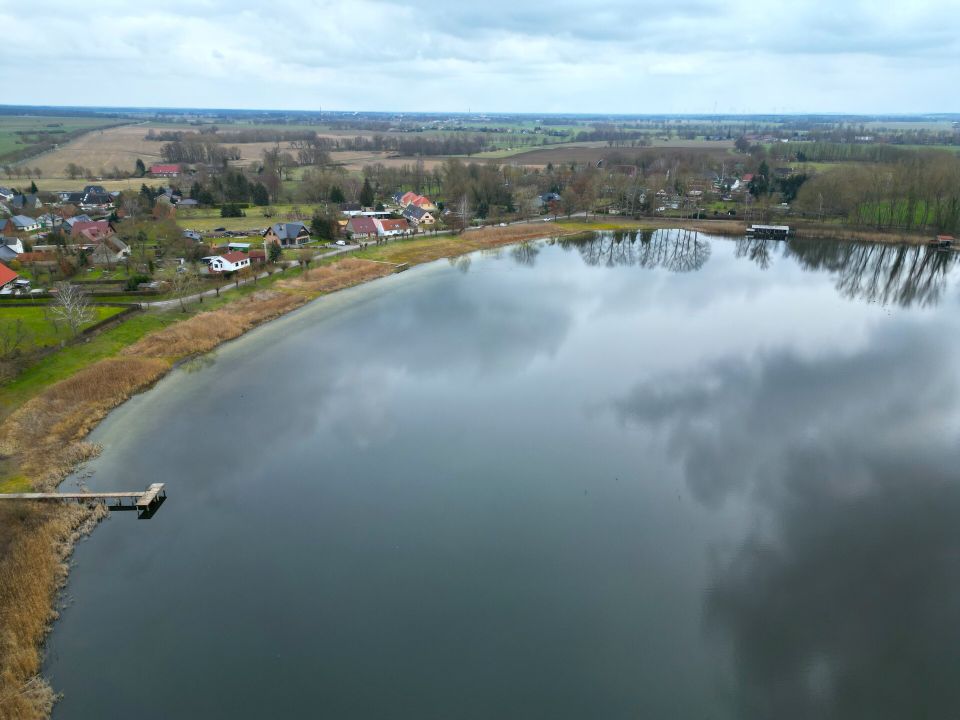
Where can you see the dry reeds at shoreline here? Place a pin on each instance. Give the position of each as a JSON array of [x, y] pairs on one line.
[[34, 567], [343, 274]]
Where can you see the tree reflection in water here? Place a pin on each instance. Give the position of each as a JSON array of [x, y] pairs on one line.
[[674, 250], [904, 275], [759, 250]]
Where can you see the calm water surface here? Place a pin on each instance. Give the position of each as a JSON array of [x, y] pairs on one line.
[[633, 477]]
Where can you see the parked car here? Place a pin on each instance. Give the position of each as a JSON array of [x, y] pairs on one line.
[[341, 242]]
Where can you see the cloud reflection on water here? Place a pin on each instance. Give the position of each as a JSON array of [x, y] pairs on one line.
[[842, 602]]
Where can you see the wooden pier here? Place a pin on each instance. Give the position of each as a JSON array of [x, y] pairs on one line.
[[775, 232], [144, 501]]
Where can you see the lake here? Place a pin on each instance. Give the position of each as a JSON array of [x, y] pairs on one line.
[[651, 475]]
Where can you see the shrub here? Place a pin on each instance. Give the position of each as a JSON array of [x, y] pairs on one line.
[[134, 281], [231, 210]]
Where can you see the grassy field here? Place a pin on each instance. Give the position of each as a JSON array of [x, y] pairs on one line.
[[592, 152], [11, 127], [205, 219], [73, 358], [40, 330]]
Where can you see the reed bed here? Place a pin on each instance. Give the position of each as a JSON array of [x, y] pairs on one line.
[[337, 276], [205, 331], [32, 569]]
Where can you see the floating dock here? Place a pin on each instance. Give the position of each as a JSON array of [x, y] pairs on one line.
[[144, 502], [777, 232]]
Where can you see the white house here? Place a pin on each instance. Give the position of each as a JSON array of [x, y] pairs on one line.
[[389, 228], [23, 223], [226, 263]]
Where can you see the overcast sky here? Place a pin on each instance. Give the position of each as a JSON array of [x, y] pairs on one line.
[[616, 56]]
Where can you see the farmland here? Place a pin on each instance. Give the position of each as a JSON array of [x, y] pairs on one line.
[[21, 133]]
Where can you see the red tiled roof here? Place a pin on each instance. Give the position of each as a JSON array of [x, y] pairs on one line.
[[6, 275], [394, 225], [91, 228], [164, 169], [234, 257], [362, 225]]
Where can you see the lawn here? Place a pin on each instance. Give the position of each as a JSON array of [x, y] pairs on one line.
[[40, 330], [73, 358], [206, 219]]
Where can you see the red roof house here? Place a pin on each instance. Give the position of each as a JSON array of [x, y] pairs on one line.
[[393, 227], [164, 170], [91, 230], [421, 201], [7, 275], [362, 227]]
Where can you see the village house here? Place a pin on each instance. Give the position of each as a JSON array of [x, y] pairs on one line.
[[108, 251], [71, 221], [7, 278], [418, 216], [6, 194], [226, 263], [97, 203], [10, 248], [420, 201], [164, 170], [19, 224], [351, 209], [390, 228], [362, 228], [49, 221], [287, 234], [19, 203], [88, 230]]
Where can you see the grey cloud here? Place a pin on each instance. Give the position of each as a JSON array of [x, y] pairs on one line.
[[613, 57]]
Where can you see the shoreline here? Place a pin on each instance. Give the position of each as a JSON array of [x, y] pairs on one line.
[[45, 437]]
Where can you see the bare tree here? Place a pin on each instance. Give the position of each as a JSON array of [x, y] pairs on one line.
[[72, 306], [305, 257], [183, 285], [461, 214]]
